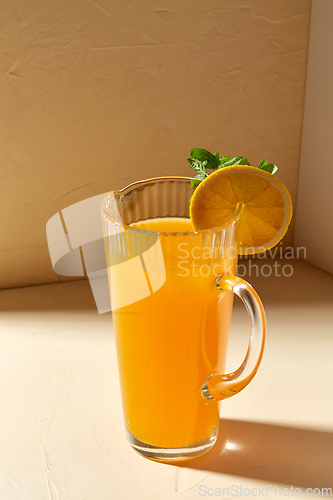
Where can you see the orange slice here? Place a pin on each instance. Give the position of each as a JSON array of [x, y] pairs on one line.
[[259, 200]]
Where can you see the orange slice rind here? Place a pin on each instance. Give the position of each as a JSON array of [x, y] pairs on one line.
[[259, 201]]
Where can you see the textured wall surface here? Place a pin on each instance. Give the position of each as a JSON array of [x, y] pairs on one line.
[[97, 94], [314, 226]]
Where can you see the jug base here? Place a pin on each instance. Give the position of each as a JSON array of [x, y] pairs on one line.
[[171, 454]]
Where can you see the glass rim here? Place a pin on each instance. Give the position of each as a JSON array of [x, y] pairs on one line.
[[213, 230]]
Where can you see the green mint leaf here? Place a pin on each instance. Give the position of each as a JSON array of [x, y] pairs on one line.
[[268, 167], [203, 159], [204, 155], [198, 166], [224, 159], [242, 161], [238, 160], [195, 181]]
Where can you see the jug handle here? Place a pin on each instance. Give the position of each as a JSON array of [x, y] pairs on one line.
[[222, 386]]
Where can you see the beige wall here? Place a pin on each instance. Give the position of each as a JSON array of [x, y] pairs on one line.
[[314, 226], [97, 94]]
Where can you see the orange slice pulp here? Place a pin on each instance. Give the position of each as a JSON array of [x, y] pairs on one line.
[[260, 202]]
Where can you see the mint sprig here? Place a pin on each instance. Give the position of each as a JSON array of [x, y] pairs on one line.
[[269, 167], [226, 161], [200, 167], [202, 155], [201, 160]]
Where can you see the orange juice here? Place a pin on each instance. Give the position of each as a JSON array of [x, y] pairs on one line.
[[169, 342]]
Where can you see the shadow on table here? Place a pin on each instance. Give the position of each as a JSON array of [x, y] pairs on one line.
[[288, 283], [271, 453], [65, 296]]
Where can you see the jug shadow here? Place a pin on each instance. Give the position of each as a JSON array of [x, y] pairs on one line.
[[276, 289], [272, 453]]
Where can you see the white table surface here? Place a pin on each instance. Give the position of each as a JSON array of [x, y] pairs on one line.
[[61, 428]]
